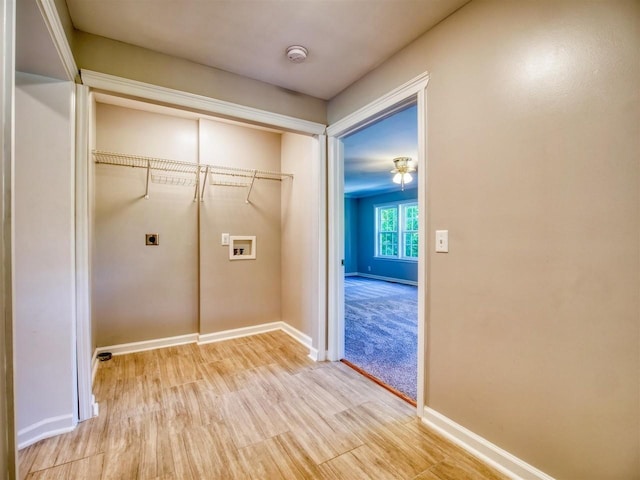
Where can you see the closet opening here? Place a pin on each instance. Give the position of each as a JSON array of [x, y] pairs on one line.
[[233, 208]]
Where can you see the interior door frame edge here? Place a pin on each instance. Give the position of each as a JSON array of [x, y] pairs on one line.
[[415, 90]]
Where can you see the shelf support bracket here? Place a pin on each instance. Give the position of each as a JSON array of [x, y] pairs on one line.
[[195, 193], [204, 185], [253, 179], [146, 192]]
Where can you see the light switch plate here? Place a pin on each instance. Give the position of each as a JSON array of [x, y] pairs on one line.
[[442, 241], [225, 239]]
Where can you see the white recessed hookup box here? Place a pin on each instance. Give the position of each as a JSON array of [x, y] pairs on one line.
[[242, 247]]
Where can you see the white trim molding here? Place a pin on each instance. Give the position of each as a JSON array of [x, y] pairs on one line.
[[144, 345], [94, 366], [302, 338], [48, 427], [202, 339], [56, 30], [296, 334], [238, 332], [81, 254], [482, 448], [111, 83], [395, 100], [386, 279], [319, 171]]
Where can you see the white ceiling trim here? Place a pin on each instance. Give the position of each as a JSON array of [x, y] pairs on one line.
[[54, 25], [111, 83], [389, 103]]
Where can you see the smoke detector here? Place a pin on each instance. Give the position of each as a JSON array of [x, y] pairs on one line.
[[297, 53]]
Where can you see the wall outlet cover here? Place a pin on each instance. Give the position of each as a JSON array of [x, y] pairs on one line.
[[152, 239]]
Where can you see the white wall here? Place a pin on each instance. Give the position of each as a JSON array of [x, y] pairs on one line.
[[143, 292], [299, 233], [239, 293], [44, 269]]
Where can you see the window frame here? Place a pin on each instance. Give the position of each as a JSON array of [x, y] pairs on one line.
[[401, 207]]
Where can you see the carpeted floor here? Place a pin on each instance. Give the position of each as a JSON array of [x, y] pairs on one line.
[[381, 330]]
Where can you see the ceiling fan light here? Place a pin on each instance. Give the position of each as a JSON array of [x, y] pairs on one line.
[[408, 178], [397, 178]]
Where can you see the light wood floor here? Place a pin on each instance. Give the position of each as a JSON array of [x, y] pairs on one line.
[[254, 407]]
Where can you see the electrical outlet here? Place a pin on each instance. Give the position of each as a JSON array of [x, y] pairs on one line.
[[152, 239]]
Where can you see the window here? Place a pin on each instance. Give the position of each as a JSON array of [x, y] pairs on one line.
[[397, 231]]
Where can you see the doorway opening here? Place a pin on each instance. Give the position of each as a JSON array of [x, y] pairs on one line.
[[381, 223], [412, 94]]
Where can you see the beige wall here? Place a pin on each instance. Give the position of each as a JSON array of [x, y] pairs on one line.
[[142, 292], [239, 293], [43, 258], [533, 147], [116, 58], [299, 233]]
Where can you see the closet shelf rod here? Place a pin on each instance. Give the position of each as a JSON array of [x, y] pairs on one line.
[[228, 184]]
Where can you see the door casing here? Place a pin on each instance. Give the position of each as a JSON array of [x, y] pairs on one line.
[[414, 91]]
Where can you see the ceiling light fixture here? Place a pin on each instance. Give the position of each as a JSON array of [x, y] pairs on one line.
[[297, 53], [404, 167]]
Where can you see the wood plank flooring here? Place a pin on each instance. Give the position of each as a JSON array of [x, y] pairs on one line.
[[248, 408]]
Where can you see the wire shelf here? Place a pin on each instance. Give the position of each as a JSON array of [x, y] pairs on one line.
[[247, 173], [168, 180], [178, 167], [136, 161], [227, 184]]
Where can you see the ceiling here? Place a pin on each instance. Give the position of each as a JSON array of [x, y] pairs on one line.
[[369, 154], [345, 38]]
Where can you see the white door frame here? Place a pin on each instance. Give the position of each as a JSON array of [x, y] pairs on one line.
[[84, 358], [412, 91], [8, 442]]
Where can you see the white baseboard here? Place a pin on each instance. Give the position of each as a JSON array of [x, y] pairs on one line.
[[388, 279], [206, 338], [94, 366], [148, 344], [314, 354], [482, 448], [238, 332], [303, 338], [46, 428], [351, 274]]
